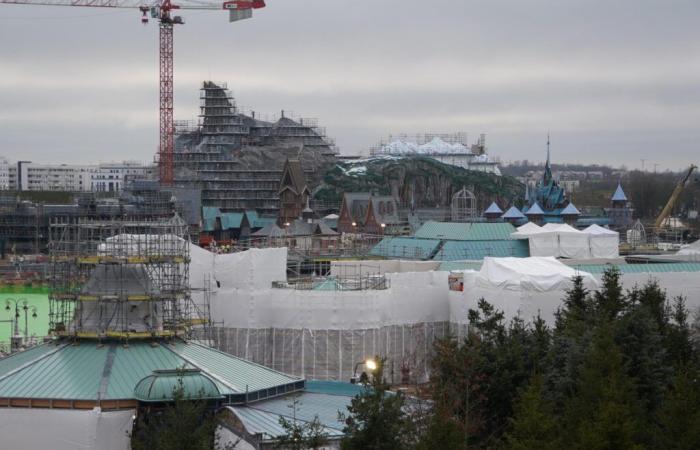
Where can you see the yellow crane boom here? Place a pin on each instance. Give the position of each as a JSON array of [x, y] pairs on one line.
[[677, 191]]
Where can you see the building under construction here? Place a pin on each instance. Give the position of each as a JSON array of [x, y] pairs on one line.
[[24, 224], [122, 279], [237, 159]]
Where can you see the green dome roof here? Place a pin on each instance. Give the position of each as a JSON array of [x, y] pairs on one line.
[[160, 385]]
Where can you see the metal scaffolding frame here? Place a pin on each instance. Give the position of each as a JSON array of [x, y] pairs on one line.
[[124, 279]]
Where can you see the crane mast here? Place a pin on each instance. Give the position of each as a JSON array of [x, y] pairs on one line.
[[162, 10], [677, 191]]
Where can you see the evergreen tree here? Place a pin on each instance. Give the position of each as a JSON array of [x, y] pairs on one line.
[[376, 418], [679, 417], [610, 300], [604, 414], [533, 425]]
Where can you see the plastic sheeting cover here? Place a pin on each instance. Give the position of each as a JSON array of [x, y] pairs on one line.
[[60, 429], [690, 249], [604, 243], [534, 273]]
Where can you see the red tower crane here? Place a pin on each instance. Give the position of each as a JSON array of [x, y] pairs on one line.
[[162, 11]]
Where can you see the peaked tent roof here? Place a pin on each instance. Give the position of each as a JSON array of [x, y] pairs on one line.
[[513, 213], [493, 209], [527, 230], [570, 210], [619, 195], [597, 229]]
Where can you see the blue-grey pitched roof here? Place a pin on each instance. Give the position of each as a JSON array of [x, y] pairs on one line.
[[570, 210], [534, 210], [493, 209], [619, 195], [513, 213]]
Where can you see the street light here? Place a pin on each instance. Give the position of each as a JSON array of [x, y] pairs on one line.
[[370, 364], [20, 304]]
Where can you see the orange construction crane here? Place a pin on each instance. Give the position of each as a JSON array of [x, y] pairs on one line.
[[162, 10]]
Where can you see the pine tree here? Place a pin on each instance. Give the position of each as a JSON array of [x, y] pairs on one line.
[[610, 300], [533, 425], [679, 417], [605, 413], [376, 418]]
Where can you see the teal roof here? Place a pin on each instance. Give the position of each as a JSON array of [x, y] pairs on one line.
[[513, 213], [405, 247], [160, 386], [231, 220], [455, 231], [333, 387], [262, 222], [89, 371], [490, 231], [619, 195], [252, 216], [233, 374], [443, 230], [642, 268], [263, 417], [477, 250], [493, 209], [209, 215]]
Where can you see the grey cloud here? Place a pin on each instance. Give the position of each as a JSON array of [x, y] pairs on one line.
[[610, 80]]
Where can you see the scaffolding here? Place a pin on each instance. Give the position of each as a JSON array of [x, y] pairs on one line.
[[237, 159], [124, 279], [460, 138]]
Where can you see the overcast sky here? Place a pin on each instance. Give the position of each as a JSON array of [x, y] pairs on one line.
[[613, 81]]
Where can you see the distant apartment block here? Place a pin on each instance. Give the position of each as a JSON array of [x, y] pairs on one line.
[[103, 177], [4, 174]]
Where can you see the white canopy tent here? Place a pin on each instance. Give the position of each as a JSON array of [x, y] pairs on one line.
[[604, 243], [559, 240]]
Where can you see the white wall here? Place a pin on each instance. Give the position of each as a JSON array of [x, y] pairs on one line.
[[64, 429]]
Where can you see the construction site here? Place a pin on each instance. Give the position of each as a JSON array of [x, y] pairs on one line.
[[122, 279], [236, 160]]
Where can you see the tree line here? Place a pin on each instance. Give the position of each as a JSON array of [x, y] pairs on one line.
[[618, 370]]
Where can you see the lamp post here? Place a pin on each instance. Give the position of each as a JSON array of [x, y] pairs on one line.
[[370, 364], [20, 304]]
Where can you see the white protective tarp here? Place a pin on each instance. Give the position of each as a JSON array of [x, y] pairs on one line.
[[604, 243], [573, 243], [64, 429], [520, 287], [690, 249], [322, 334], [534, 273]]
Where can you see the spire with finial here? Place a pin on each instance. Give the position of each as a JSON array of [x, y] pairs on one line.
[[547, 166]]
